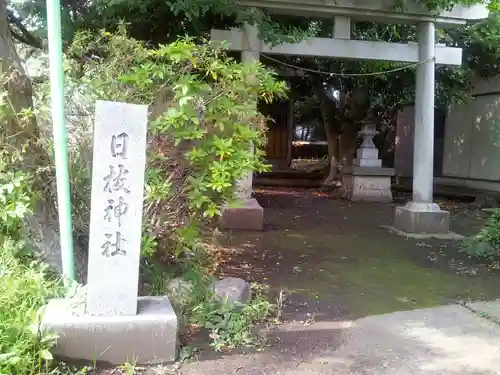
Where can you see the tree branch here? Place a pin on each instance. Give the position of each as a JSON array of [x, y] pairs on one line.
[[21, 33], [19, 37]]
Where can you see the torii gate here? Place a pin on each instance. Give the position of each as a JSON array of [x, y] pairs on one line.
[[422, 214]]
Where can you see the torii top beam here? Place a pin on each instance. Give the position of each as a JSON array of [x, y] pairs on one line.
[[383, 11]]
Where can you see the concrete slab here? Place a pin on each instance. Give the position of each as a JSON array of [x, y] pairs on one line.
[[422, 236], [149, 337], [444, 340], [449, 340], [491, 309]]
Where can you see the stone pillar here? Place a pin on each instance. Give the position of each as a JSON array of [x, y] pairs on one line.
[[249, 215], [342, 27], [251, 44], [422, 215], [423, 153]]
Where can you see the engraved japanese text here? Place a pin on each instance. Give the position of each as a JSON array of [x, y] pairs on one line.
[[119, 145], [113, 248]]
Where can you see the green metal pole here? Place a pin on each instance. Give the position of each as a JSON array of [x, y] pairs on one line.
[[60, 137]]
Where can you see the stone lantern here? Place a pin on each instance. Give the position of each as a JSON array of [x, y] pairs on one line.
[[367, 153], [366, 179]]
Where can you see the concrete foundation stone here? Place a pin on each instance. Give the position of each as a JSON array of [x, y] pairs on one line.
[[250, 216], [368, 184], [146, 338], [422, 218]]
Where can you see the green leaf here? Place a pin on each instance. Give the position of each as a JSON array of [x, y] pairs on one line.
[[46, 355]]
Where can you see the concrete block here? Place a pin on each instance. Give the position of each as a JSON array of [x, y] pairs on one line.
[[248, 217], [147, 338], [233, 290], [422, 218], [367, 188]]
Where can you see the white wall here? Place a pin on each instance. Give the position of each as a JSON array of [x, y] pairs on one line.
[[472, 135], [471, 155]]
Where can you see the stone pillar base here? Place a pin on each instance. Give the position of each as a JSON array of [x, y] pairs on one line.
[[250, 216], [149, 337], [422, 218], [367, 184]]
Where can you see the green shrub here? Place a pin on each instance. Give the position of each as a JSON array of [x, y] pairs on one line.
[[486, 244], [24, 289], [24, 283], [230, 325], [16, 196], [203, 120]]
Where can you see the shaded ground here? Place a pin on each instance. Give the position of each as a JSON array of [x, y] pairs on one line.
[[333, 263], [332, 259]]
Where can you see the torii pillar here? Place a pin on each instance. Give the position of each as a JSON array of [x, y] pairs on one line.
[[422, 215], [249, 215]]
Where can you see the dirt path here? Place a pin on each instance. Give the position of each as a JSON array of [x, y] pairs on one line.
[[333, 260], [333, 263]]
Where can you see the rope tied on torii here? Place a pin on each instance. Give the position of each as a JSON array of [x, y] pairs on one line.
[[331, 74]]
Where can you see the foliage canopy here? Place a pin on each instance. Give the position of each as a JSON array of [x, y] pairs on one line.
[[159, 22]]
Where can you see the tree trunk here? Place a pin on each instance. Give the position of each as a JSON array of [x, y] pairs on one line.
[[333, 154], [331, 137], [41, 229], [348, 144]]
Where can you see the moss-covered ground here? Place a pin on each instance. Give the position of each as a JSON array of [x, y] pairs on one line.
[[331, 259]]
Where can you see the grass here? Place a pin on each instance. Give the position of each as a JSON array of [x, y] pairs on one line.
[[190, 288], [372, 275], [231, 325], [24, 289]]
